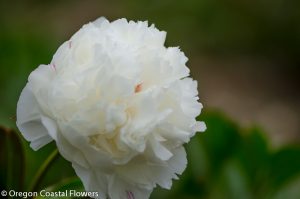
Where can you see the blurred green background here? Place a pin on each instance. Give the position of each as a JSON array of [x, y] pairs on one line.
[[245, 56]]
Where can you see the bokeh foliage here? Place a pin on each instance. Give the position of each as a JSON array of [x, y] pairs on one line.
[[259, 27]]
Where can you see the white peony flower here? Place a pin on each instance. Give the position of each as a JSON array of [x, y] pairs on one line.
[[119, 106]]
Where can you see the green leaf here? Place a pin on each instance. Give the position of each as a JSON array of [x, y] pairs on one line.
[[231, 183], [285, 165], [289, 190], [12, 162], [41, 172], [58, 171], [220, 140], [254, 155]]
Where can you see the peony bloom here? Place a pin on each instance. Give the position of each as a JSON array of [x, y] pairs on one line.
[[119, 106]]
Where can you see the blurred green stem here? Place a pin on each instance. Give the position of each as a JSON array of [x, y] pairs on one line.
[[42, 170]]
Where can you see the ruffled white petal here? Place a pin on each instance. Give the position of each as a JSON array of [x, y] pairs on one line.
[[91, 180], [99, 22], [154, 172], [119, 189], [33, 125]]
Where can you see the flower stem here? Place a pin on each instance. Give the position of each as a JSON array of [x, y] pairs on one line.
[[42, 170]]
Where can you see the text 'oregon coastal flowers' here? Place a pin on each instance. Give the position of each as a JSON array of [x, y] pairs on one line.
[[119, 106]]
